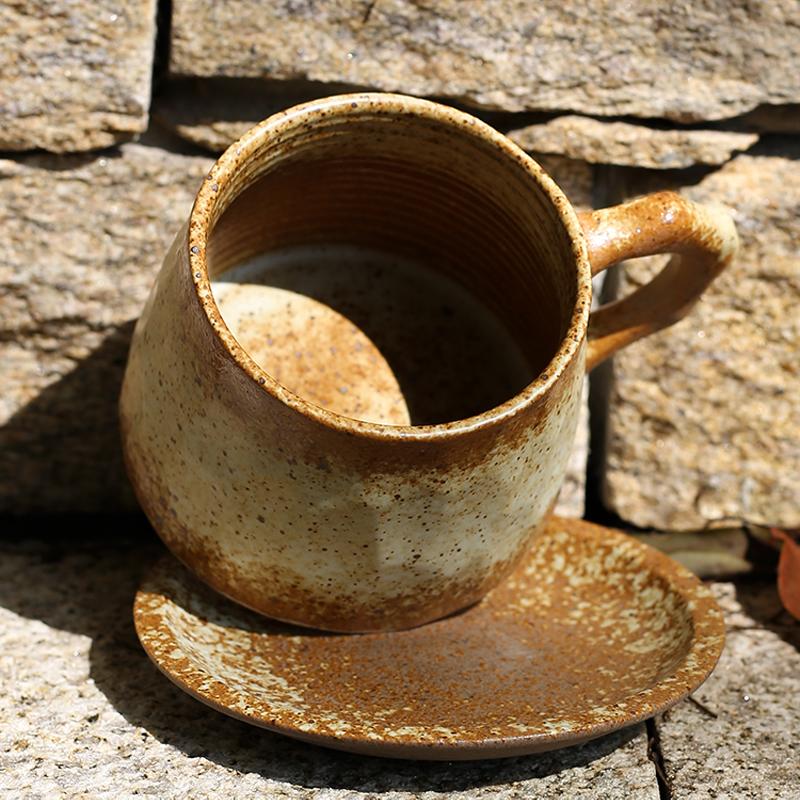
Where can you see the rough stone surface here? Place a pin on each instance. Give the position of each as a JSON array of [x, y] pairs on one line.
[[74, 75], [82, 239], [739, 739], [703, 418], [83, 712], [707, 60], [622, 143]]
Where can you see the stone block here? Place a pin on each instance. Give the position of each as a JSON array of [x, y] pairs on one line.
[[74, 75], [682, 62], [703, 417], [601, 142], [737, 739], [83, 237]]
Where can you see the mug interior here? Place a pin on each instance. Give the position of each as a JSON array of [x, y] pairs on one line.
[[396, 266]]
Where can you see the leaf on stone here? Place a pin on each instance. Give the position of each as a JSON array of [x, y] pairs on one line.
[[789, 572]]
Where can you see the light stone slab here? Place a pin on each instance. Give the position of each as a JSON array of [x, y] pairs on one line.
[[704, 418], [601, 142], [701, 61], [74, 75], [741, 740]]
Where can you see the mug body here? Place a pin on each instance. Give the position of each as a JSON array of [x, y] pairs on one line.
[[312, 516]]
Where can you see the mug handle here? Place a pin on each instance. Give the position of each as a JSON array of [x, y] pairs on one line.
[[703, 239]]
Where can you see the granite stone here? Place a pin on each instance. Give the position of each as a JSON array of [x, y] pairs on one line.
[[703, 417], [702, 61], [84, 713], [602, 142], [737, 738], [83, 237], [74, 76]]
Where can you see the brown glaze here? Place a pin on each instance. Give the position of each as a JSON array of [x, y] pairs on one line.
[[307, 513], [593, 631], [703, 238]]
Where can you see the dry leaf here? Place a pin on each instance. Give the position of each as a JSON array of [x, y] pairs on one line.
[[789, 572]]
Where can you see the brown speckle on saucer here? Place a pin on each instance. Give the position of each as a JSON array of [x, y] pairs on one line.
[[593, 631]]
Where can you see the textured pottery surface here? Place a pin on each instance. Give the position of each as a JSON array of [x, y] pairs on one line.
[[388, 504], [592, 632], [317, 518]]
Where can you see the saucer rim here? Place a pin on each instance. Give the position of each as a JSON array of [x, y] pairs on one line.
[[706, 616]]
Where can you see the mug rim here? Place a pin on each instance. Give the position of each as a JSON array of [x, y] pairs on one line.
[[352, 104]]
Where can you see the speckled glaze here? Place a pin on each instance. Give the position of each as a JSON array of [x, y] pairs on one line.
[[593, 631], [311, 516]]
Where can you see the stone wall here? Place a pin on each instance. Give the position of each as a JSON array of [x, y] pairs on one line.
[[704, 419], [696, 426], [83, 236]]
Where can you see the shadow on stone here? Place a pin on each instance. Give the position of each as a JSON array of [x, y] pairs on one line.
[[760, 601], [778, 145], [87, 588], [61, 451]]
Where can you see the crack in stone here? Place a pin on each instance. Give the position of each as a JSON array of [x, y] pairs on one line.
[[704, 708], [370, 5], [655, 755]]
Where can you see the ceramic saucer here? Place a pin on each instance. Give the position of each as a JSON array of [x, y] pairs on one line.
[[593, 632]]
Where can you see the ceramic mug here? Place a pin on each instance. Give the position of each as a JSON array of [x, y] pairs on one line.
[[318, 514]]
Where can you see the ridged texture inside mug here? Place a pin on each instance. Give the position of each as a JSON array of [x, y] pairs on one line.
[[417, 189]]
